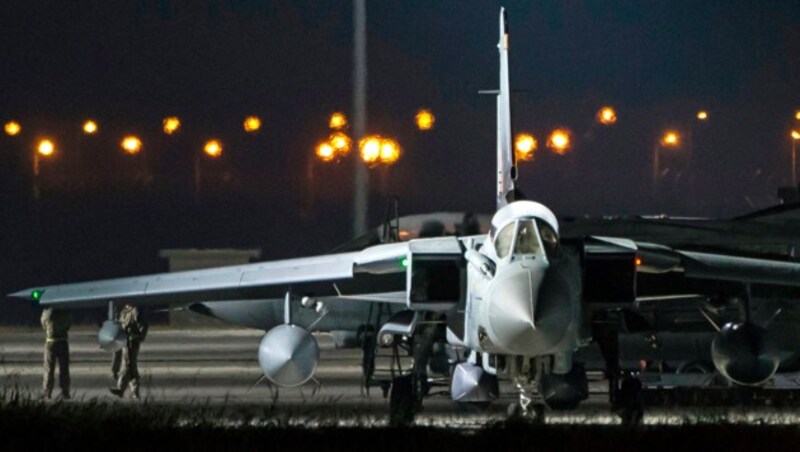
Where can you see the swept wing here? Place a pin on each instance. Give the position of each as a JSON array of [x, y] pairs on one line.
[[240, 281]]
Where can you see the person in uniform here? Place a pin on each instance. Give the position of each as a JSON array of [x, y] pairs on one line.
[[116, 364], [56, 323], [116, 357], [136, 330]]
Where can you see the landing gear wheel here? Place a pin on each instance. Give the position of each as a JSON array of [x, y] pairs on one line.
[[535, 413], [514, 410], [385, 386], [632, 416], [473, 407], [407, 391], [629, 402], [402, 403]]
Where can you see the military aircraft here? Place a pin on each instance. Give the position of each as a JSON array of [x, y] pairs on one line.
[[521, 303]]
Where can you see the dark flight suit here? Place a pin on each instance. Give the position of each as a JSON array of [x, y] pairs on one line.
[[116, 364], [116, 357], [56, 325], [136, 329]]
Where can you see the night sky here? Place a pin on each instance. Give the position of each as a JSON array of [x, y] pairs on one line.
[[128, 64]]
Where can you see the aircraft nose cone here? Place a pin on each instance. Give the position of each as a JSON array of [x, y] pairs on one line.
[[512, 315]]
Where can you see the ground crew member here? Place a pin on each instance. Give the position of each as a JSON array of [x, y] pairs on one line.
[[116, 357], [56, 323], [629, 402], [116, 364], [136, 330]]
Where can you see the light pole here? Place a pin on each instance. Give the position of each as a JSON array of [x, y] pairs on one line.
[[45, 148], [390, 153], [361, 182], [212, 149], [795, 139], [334, 149], [670, 139], [324, 152], [375, 151]]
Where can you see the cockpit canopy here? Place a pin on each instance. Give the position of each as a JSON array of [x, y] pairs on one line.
[[526, 237], [524, 228]]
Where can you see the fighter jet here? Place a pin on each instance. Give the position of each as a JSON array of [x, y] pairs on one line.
[[519, 304]]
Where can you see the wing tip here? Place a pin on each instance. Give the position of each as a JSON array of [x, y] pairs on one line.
[[28, 294]]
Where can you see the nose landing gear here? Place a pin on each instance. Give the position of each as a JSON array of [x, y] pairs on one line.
[[408, 389], [529, 407]]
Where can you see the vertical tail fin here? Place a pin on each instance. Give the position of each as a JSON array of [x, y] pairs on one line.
[[506, 161]]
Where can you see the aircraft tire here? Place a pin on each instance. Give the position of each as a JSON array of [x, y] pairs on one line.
[[473, 407], [535, 413], [630, 406], [402, 402], [632, 417]]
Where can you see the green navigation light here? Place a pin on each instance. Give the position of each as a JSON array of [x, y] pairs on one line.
[[404, 262], [36, 294]]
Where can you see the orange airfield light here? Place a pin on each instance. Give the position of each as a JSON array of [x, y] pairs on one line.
[[606, 116], [524, 146], [795, 135], [12, 128], [46, 147], [213, 148], [131, 144], [252, 124], [325, 151], [671, 139], [390, 151], [341, 143], [559, 141], [424, 119], [338, 121], [370, 149], [797, 115], [337, 145], [90, 127], [375, 149], [702, 115], [171, 125]]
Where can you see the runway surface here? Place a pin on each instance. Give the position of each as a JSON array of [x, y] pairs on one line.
[[211, 368], [219, 369], [180, 365]]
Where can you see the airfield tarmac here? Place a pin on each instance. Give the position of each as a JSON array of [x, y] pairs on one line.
[[218, 369]]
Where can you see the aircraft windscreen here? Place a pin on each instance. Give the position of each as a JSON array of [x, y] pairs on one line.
[[527, 238], [502, 244], [549, 239]]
